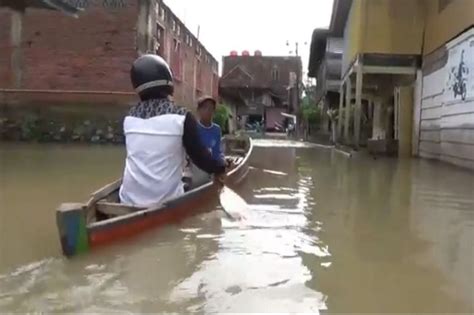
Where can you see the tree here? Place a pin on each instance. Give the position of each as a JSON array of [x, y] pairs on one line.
[[221, 117], [310, 112]]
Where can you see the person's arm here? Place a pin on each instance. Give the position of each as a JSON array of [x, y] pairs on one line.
[[196, 151], [217, 148]]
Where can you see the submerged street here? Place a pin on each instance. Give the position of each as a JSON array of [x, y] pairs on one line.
[[324, 233]]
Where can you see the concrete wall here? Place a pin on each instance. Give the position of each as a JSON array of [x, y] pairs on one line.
[[447, 120], [383, 26], [443, 24], [397, 27], [353, 34], [47, 117], [418, 90], [393, 27], [405, 120]]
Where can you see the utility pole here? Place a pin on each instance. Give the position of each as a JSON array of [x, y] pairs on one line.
[[298, 82], [298, 74]]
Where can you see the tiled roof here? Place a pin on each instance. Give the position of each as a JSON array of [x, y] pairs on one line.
[[256, 71]]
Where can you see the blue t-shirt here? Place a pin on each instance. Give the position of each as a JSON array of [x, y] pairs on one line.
[[211, 139]]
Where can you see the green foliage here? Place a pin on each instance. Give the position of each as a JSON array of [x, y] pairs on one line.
[[310, 112], [30, 129], [221, 117]]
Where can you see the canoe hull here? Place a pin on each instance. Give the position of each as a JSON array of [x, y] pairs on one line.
[[78, 237], [103, 234]]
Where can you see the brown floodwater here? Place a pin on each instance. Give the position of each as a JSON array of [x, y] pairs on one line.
[[323, 234]]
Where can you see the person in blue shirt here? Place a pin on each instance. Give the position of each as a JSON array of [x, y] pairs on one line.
[[210, 135], [209, 132]]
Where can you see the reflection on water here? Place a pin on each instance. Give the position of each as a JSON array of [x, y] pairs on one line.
[[322, 233]]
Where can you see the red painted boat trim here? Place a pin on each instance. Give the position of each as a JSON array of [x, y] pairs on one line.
[[108, 231], [146, 220]]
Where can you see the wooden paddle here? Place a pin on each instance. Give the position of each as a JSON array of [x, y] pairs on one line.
[[232, 204]]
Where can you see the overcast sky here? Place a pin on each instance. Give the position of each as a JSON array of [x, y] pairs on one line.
[[266, 25]]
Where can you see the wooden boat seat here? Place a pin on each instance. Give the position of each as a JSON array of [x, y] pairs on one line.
[[115, 209], [236, 160], [238, 151]]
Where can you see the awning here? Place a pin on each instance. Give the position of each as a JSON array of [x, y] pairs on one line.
[[289, 116]]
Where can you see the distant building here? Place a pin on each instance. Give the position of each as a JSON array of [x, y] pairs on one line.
[[88, 59], [260, 87], [325, 65]]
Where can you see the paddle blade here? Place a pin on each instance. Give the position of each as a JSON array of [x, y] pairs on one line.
[[232, 203]]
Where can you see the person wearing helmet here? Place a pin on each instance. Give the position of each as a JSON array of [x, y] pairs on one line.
[[158, 135]]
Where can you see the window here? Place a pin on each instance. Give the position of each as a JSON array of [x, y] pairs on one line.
[[189, 40], [177, 45], [275, 74], [173, 25], [198, 51], [177, 60], [199, 81], [215, 85], [113, 4], [83, 4], [157, 10], [159, 32], [162, 14], [159, 41], [178, 30], [157, 47]]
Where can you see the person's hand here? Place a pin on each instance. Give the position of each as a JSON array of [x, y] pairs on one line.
[[219, 179], [229, 163]]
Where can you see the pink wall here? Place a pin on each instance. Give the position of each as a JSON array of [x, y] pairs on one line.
[[273, 116]]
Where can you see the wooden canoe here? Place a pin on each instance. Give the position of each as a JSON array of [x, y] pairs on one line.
[[103, 220]]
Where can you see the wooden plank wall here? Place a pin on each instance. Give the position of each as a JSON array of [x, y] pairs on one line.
[[447, 122]]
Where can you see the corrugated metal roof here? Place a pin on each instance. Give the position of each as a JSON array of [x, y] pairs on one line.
[[340, 12], [317, 51]]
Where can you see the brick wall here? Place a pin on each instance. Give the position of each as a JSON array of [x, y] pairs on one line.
[[198, 68], [95, 51], [188, 75], [5, 49]]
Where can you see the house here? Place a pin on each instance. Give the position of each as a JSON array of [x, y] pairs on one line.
[[325, 65], [406, 78], [87, 60], [260, 87]]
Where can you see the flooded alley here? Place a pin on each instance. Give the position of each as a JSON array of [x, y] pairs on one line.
[[324, 234]]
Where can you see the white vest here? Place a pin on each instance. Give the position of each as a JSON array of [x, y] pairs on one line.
[[155, 159]]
